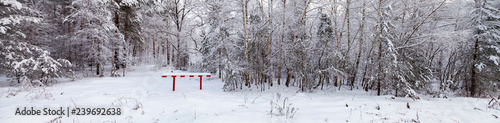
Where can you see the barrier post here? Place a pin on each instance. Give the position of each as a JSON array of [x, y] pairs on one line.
[[173, 89], [201, 76]]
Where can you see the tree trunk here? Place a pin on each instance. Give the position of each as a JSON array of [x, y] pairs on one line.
[[154, 51], [220, 63], [101, 64], [379, 59], [473, 69], [97, 68], [270, 52], [244, 7], [282, 40], [288, 77], [167, 45], [361, 27], [379, 67], [347, 62]]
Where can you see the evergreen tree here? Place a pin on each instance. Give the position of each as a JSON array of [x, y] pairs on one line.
[[128, 21], [26, 63], [486, 48], [211, 48], [94, 34]]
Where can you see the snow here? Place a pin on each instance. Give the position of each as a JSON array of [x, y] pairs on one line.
[[13, 3], [23, 63], [9, 56], [3, 29], [146, 97], [480, 66], [495, 59], [481, 27], [129, 2]]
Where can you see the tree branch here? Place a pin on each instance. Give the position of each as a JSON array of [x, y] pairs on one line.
[[421, 23]]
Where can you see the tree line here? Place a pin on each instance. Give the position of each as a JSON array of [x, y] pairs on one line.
[[396, 47]]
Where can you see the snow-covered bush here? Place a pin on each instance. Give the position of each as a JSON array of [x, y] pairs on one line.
[[40, 93], [286, 109], [42, 68], [232, 76], [129, 103], [31, 64]]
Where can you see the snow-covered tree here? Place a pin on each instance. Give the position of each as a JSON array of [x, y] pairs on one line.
[[324, 48], [95, 37], [387, 61], [486, 48], [27, 63], [211, 45], [128, 20]]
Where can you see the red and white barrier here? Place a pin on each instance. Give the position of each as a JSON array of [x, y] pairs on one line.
[[174, 75]]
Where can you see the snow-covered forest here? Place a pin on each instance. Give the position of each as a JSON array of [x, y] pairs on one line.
[[401, 48], [395, 47]]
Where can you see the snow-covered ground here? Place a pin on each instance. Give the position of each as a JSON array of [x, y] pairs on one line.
[[144, 96]]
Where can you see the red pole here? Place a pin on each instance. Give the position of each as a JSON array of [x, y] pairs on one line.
[[173, 88], [200, 80]]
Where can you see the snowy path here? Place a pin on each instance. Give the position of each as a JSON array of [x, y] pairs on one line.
[[146, 97]]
